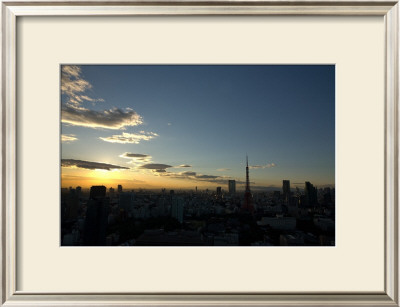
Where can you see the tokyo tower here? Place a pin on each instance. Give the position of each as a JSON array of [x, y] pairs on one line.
[[248, 198]]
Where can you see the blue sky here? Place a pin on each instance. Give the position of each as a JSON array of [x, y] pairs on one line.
[[207, 117]]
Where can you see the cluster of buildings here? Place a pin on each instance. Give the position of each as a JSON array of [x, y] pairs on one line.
[[100, 217], [198, 218]]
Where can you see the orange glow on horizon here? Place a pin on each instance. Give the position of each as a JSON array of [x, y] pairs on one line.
[[131, 179], [73, 177]]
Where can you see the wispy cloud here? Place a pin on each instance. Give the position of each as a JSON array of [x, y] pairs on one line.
[[130, 138], [269, 165], [223, 169], [89, 165], [136, 158], [207, 177], [73, 86], [144, 161], [66, 138], [74, 90], [200, 177], [158, 167], [109, 119]]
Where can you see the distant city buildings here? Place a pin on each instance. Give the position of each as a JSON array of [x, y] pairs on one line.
[[279, 222], [126, 202], [177, 209], [100, 216]]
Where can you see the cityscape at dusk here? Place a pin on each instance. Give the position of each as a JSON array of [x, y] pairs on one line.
[[197, 155]]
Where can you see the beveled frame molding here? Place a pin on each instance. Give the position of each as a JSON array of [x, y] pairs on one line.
[[10, 12]]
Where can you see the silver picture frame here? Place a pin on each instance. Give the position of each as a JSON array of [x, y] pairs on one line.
[[12, 10]]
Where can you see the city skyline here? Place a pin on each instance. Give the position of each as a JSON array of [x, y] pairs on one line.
[[187, 126]]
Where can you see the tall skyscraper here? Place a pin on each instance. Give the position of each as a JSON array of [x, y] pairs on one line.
[[286, 191], [232, 186], [111, 192], [119, 188], [97, 191], [248, 198], [219, 190], [310, 194], [79, 191], [95, 228], [72, 204]]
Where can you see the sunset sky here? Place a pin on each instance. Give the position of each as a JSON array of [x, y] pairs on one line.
[[182, 126]]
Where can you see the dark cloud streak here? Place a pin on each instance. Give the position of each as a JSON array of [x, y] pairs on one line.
[[203, 178], [134, 155], [155, 166], [89, 165]]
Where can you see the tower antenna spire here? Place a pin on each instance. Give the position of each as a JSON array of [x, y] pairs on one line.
[[248, 198]]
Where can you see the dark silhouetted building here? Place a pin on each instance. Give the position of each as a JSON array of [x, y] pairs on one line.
[[111, 192], [232, 186], [219, 191], [72, 204], [327, 198], [97, 191], [95, 228], [79, 191], [286, 191], [310, 194]]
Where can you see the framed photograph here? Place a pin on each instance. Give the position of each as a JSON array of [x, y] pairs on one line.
[[212, 196], [200, 153]]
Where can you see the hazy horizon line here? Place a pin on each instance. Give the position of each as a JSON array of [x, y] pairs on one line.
[[194, 189]]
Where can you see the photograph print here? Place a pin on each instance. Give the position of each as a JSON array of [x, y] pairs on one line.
[[197, 155]]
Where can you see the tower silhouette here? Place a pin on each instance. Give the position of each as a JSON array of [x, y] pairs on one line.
[[248, 198]]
